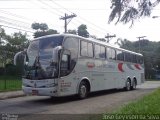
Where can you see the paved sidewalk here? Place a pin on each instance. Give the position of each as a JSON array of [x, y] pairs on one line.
[[11, 94]]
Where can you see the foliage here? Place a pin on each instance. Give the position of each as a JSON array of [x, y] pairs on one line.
[[42, 30], [72, 32], [11, 45], [82, 31], [43, 33], [129, 10], [41, 26]]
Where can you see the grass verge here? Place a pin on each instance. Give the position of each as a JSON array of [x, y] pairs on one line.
[[10, 83], [149, 104]]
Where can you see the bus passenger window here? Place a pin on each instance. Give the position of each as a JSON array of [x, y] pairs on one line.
[[127, 57], [90, 50], [120, 55], [111, 53], [97, 51], [103, 52], [84, 48], [139, 59], [134, 59]]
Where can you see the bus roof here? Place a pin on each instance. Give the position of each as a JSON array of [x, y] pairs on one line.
[[91, 40]]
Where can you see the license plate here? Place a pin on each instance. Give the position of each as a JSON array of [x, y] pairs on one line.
[[34, 92]]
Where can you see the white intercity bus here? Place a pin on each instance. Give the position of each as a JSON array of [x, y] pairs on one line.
[[64, 64]]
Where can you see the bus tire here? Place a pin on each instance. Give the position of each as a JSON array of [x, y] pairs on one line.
[[83, 90], [134, 84], [128, 85]]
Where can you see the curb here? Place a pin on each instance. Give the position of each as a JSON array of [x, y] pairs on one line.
[[13, 94]]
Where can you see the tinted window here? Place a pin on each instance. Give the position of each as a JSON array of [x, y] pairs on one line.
[[120, 55], [90, 49], [71, 44], [97, 51], [50, 42], [140, 59], [111, 53], [100, 52], [86, 49], [127, 57], [103, 52], [134, 60]]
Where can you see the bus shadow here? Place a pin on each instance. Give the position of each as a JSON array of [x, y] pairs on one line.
[[105, 92], [61, 100]]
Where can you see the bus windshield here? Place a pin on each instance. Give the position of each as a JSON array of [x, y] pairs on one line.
[[40, 58]]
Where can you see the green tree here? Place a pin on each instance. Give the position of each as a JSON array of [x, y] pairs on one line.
[[82, 31], [43, 33], [72, 32], [42, 29], [129, 10], [35, 26], [43, 26], [13, 44]]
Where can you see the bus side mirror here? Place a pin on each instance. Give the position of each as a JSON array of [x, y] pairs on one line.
[[17, 58], [56, 53]]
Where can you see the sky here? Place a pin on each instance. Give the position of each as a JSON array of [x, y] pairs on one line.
[[93, 13]]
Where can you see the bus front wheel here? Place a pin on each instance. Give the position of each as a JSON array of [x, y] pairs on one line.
[[83, 90]]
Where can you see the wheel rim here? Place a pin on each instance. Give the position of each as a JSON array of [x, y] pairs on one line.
[[83, 91], [128, 85], [134, 85]]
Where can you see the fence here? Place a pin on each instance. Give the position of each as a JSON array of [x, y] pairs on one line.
[[10, 78]]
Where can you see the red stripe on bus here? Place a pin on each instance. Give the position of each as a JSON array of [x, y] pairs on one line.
[[120, 65], [137, 66]]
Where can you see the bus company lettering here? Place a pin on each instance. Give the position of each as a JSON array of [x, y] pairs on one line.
[[90, 65], [65, 84], [107, 66]]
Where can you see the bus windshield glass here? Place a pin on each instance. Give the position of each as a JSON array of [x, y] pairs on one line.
[[40, 58]]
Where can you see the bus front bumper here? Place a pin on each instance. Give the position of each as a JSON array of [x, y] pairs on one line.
[[52, 91]]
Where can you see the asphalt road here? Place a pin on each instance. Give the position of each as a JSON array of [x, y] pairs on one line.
[[96, 103]]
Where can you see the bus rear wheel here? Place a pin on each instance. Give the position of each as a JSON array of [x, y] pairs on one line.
[[128, 85], [83, 90], [134, 84]]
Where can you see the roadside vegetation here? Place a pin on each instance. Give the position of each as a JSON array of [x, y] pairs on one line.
[[149, 104], [152, 79], [10, 83]]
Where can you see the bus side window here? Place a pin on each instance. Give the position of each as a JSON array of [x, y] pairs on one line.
[[71, 44], [120, 55], [134, 59], [103, 52], [127, 57], [90, 50], [84, 48], [111, 53], [139, 59], [97, 51], [106, 53]]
